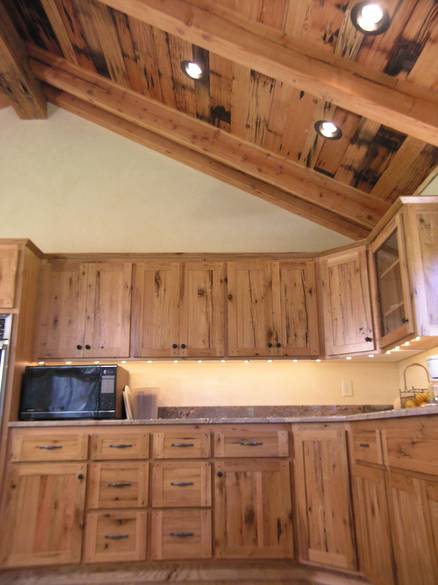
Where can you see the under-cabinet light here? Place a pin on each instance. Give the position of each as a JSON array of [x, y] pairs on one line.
[[317, 361], [149, 362], [175, 361], [269, 361], [223, 361], [370, 18], [41, 363], [68, 363], [371, 355], [295, 361], [246, 361], [97, 362], [417, 338], [348, 357]]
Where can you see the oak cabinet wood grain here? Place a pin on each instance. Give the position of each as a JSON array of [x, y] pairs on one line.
[[32, 445], [179, 484], [346, 303], [118, 485], [43, 514], [241, 442], [178, 309], [9, 254], [181, 534], [84, 310], [188, 443], [120, 445], [325, 523], [253, 510], [373, 531]]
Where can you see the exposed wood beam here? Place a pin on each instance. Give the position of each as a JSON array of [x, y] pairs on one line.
[[16, 79], [289, 176], [204, 164], [395, 103]]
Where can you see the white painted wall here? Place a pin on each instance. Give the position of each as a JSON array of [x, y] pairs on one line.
[[72, 186]]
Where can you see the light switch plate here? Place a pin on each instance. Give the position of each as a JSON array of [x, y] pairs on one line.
[[347, 388]]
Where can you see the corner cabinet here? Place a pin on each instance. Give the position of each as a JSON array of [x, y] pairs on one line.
[[346, 304], [272, 308], [84, 310], [178, 309]]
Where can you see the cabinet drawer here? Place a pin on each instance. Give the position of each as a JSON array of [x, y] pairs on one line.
[[181, 485], [411, 444], [251, 443], [181, 445], [366, 445], [118, 485], [46, 446], [115, 536], [181, 534], [123, 445]]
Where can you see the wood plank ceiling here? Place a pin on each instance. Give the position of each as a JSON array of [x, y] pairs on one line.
[[238, 123]]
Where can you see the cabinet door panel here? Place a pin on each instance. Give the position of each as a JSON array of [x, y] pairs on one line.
[[60, 330], [372, 525], [8, 275], [181, 534], [323, 496], [253, 509], [299, 311], [251, 326], [347, 303], [202, 311], [43, 511], [155, 314], [181, 485], [414, 510], [108, 309]]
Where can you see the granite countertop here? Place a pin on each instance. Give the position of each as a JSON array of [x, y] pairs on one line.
[[377, 415]]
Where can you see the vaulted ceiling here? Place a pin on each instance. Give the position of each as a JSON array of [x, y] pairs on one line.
[[274, 67]]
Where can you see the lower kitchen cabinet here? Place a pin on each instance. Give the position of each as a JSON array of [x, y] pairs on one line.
[[115, 535], [413, 504], [253, 513], [325, 523], [376, 559], [181, 534], [42, 516]]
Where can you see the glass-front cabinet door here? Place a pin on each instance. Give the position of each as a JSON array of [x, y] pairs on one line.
[[392, 303]]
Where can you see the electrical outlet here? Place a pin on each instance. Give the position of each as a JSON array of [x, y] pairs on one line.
[[347, 388]]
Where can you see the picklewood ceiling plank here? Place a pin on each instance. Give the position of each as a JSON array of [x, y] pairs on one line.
[[287, 175], [394, 102], [16, 79], [203, 163]]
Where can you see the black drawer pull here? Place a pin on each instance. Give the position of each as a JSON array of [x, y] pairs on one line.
[[121, 446], [182, 534], [250, 443], [49, 447], [119, 484], [364, 445], [182, 445], [182, 483], [116, 536]]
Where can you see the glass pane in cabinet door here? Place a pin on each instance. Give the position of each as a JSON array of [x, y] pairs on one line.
[[392, 309]]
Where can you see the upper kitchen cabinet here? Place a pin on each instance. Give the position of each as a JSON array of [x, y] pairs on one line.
[[178, 309], [8, 274], [272, 308], [346, 305], [84, 310], [405, 276]]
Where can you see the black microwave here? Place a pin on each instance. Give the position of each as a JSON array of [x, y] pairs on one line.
[[72, 392]]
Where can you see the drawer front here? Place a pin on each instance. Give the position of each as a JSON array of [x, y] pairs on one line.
[[118, 485], [181, 485], [47, 446], [181, 534], [181, 445], [123, 445], [366, 446], [411, 444], [242, 443], [115, 536]]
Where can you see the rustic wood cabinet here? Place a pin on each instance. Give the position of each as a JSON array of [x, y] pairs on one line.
[[253, 509], [8, 274], [42, 518], [178, 309], [272, 308], [346, 304], [325, 523], [84, 310]]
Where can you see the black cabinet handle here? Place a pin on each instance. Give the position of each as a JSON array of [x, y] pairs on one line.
[[87, 346], [182, 445], [278, 344], [182, 534], [250, 443], [181, 483], [49, 447], [368, 339], [183, 345], [404, 320], [79, 346], [116, 536], [121, 446], [119, 484], [174, 346], [269, 344], [220, 474], [364, 445], [81, 476]]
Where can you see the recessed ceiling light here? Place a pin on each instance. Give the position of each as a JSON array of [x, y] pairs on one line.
[[328, 130], [192, 69], [370, 18]]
